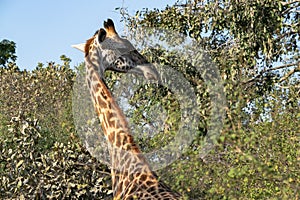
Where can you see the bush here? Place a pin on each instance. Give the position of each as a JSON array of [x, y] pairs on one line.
[[64, 171], [44, 94]]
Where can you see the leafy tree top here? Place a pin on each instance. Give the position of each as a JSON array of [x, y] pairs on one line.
[[7, 52]]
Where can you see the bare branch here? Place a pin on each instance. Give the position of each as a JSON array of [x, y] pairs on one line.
[[291, 25], [285, 34], [290, 9], [291, 72], [271, 69], [288, 87], [289, 3]]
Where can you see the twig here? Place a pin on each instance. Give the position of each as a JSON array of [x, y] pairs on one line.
[[291, 72], [288, 87], [269, 69], [289, 3]]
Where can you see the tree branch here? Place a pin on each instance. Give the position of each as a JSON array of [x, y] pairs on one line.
[[290, 2], [290, 10], [288, 87], [291, 72], [270, 69], [285, 34]]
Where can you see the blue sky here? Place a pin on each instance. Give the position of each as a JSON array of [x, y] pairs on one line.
[[45, 29]]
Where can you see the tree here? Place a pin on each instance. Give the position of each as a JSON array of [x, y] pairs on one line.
[[7, 52], [255, 45]]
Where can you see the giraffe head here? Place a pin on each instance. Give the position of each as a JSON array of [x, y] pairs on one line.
[[115, 53]]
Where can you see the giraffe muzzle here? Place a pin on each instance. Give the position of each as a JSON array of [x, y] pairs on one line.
[[148, 71]]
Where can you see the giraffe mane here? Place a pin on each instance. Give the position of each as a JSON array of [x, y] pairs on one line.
[[87, 46], [101, 34]]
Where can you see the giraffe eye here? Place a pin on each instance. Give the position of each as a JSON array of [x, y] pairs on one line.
[[101, 35]]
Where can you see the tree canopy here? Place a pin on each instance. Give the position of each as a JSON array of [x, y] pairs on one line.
[[255, 48], [7, 52]]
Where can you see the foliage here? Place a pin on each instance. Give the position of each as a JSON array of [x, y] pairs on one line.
[[7, 52], [259, 161], [254, 44], [65, 171], [43, 93]]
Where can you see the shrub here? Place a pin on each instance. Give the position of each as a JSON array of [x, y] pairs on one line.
[[64, 171]]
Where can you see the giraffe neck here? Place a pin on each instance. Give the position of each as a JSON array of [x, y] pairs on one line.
[[128, 164], [113, 121]]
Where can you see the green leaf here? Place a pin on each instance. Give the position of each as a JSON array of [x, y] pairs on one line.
[[19, 163], [232, 173]]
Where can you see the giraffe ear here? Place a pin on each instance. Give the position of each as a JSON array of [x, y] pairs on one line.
[[80, 47]]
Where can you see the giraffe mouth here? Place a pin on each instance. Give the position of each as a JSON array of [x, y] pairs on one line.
[[148, 71]]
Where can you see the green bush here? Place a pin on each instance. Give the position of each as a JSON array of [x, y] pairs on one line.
[[64, 171], [44, 94]]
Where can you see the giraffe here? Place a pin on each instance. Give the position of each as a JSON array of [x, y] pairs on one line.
[[132, 177]]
